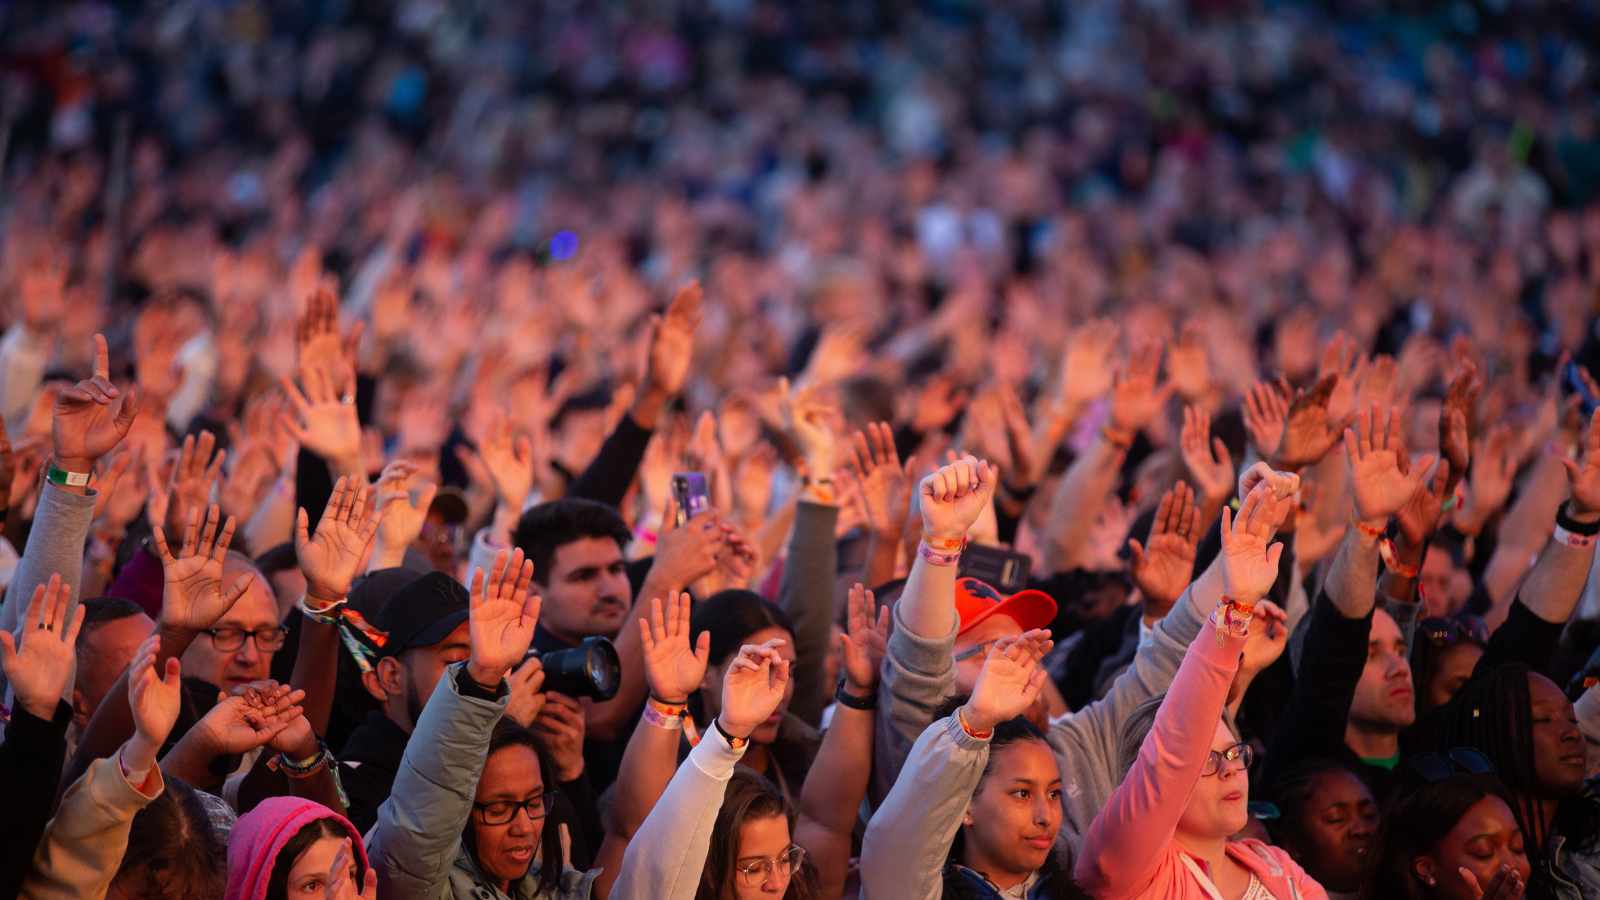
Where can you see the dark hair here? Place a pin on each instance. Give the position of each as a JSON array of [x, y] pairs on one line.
[[310, 833], [749, 796], [99, 611], [732, 616], [509, 734], [1291, 790], [1493, 713], [278, 559], [1416, 822], [548, 527], [591, 400], [173, 851], [1434, 638]]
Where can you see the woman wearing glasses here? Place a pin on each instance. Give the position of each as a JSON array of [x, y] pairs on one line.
[[1166, 832]]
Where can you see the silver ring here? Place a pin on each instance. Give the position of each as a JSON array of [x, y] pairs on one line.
[[348, 399]]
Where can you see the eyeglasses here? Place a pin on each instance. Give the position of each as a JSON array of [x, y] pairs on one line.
[[230, 639], [756, 872], [975, 650], [1449, 632], [1436, 767], [501, 812], [1217, 760]]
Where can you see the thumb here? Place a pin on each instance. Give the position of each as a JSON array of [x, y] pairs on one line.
[[128, 410], [1274, 554], [8, 649], [1220, 449], [174, 672], [302, 536], [1137, 550], [702, 647]]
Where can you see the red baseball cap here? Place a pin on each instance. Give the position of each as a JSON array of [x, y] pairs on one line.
[[977, 601]]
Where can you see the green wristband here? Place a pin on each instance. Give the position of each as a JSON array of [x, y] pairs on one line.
[[62, 477]]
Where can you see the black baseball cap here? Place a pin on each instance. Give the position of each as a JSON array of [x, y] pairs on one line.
[[422, 612]]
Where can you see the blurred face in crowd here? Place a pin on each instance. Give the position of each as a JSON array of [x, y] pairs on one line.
[[102, 655], [763, 842], [506, 851], [1334, 837], [711, 689], [1446, 587], [1015, 814], [1384, 699], [212, 657], [1219, 805], [1482, 841], [1559, 756], [586, 592], [1450, 672], [404, 683]]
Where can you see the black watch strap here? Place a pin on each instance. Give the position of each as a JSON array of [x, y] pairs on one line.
[[865, 704]]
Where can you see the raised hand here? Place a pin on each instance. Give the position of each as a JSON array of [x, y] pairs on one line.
[[1583, 476], [154, 701], [501, 617], [403, 501], [672, 344], [1507, 884], [508, 459], [1382, 476], [1310, 431], [1086, 369], [1455, 421], [1490, 483], [1188, 365], [752, 687], [331, 560], [1266, 408], [806, 417], [938, 403], [1269, 635], [885, 483], [193, 597], [1136, 397], [1012, 677], [324, 418], [92, 416], [197, 470], [1209, 463], [686, 553], [38, 656], [671, 668], [865, 641], [319, 345], [1249, 562], [249, 717], [953, 497], [1419, 518], [1164, 565]]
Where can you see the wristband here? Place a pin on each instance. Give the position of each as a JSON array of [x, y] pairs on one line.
[[961, 719], [1567, 523], [936, 558], [1580, 541], [1390, 560], [736, 743], [303, 768], [1232, 616], [654, 717], [1120, 439], [865, 704], [1368, 530], [946, 545], [326, 615], [63, 478], [821, 489]]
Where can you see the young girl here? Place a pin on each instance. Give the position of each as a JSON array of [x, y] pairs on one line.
[[293, 849], [1455, 839]]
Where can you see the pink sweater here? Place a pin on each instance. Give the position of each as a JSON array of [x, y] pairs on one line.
[[1130, 850]]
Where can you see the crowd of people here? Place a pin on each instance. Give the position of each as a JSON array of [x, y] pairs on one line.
[[1011, 450]]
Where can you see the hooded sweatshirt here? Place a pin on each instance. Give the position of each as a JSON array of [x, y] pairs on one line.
[[259, 836]]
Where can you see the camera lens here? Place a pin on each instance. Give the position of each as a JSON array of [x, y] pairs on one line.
[[592, 669]]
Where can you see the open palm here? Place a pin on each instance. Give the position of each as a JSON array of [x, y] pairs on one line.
[[1382, 478], [672, 668], [1249, 559], [193, 596], [153, 700], [331, 559], [672, 344], [92, 416], [400, 518], [866, 638], [38, 658], [1164, 564], [1583, 477], [752, 687], [1309, 432], [502, 616], [1011, 679]]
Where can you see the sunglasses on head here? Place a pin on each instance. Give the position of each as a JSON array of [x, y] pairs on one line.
[[1449, 632], [1436, 767]]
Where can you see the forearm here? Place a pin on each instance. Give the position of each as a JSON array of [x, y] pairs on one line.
[[190, 761], [1528, 521], [316, 669], [1078, 499], [55, 547], [883, 557], [927, 606], [1555, 585], [1353, 577], [667, 859], [112, 722], [647, 766], [832, 795]]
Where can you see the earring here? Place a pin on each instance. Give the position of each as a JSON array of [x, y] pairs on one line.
[[1432, 882]]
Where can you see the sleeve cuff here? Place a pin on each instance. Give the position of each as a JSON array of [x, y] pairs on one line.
[[467, 686]]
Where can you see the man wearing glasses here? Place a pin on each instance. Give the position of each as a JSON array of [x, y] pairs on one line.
[[238, 648]]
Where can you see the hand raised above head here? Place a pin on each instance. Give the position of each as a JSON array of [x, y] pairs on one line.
[[92, 416]]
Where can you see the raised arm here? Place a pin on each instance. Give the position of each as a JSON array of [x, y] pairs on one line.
[[813, 562], [904, 850], [834, 788], [419, 827], [668, 855], [329, 560], [1125, 844]]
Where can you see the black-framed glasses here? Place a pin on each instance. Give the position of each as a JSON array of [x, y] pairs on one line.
[[1217, 760], [1436, 767], [1449, 632], [501, 812], [229, 639], [755, 872]]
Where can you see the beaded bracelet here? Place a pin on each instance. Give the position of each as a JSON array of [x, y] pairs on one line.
[[1232, 616], [1392, 562]]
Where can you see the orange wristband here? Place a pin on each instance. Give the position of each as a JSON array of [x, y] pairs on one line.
[[978, 735]]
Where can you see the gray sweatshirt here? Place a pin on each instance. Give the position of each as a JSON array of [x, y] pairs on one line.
[[904, 850], [807, 597], [665, 859], [919, 674], [55, 545]]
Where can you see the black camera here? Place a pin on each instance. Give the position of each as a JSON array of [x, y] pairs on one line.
[[592, 669]]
